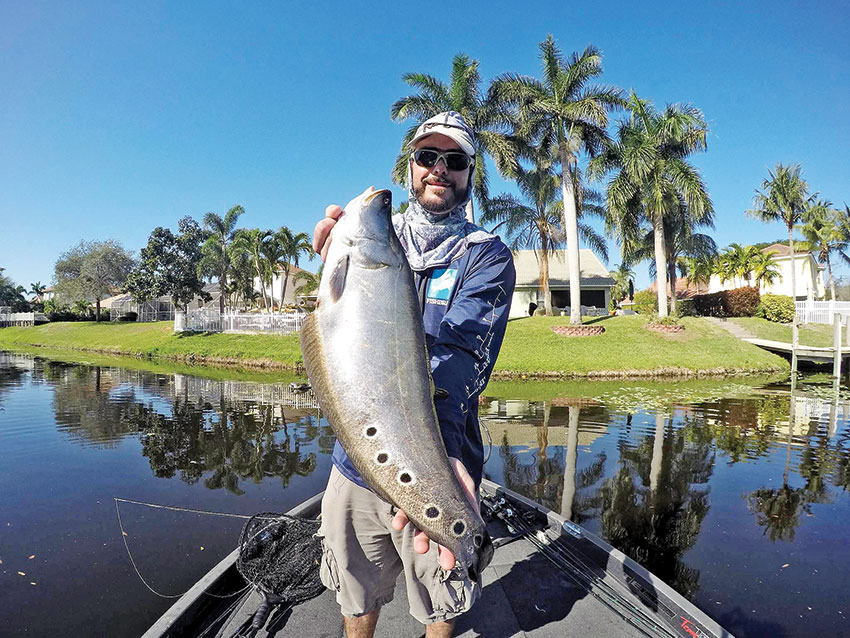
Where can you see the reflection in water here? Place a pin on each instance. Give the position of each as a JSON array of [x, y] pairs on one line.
[[223, 431], [633, 464], [653, 502]]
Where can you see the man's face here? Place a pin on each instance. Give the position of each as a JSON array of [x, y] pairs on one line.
[[438, 189]]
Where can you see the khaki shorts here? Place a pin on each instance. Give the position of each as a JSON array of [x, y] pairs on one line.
[[363, 556]]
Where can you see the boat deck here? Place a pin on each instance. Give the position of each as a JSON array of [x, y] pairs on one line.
[[524, 595], [593, 590]]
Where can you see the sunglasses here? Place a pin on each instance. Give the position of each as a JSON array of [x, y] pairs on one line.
[[454, 160]]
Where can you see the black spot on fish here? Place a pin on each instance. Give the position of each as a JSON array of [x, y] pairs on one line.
[[459, 528], [371, 431], [432, 512], [405, 478], [382, 458]]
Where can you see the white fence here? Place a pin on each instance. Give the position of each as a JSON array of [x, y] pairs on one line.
[[821, 311], [209, 320], [21, 318]]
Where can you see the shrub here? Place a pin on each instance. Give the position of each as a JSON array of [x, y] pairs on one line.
[[778, 308], [686, 308], [645, 302], [740, 302], [128, 316]]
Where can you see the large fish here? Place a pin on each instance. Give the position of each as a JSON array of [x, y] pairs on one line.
[[364, 351]]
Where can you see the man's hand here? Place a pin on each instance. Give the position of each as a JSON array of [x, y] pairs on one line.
[[322, 231], [421, 542]]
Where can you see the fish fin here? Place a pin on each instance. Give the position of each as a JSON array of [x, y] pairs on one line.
[[337, 282]]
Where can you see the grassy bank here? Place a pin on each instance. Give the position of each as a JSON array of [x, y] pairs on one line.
[[628, 349], [158, 341], [530, 349], [811, 334]]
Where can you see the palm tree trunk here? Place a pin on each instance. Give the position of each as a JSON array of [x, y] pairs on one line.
[[571, 231], [544, 276], [793, 265], [285, 282], [660, 264], [470, 209], [831, 280], [673, 286]]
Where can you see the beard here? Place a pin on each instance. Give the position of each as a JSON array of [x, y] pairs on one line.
[[440, 205]]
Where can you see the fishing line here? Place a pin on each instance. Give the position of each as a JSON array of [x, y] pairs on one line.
[[174, 509], [581, 574]]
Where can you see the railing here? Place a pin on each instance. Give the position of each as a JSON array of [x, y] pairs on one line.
[[821, 311], [21, 318], [209, 320]]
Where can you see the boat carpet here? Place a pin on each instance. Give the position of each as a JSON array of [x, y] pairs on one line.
[[523, 595]]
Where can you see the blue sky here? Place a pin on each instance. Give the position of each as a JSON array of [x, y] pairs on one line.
[[118, 117]]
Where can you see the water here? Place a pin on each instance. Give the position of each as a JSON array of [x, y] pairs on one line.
[[734, 492]]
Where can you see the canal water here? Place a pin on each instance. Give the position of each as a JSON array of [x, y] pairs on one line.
[[734, 492]]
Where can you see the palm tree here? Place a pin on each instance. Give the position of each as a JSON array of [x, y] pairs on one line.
[[306, 282], [253, 241], [487, 116], [764, 268], [562, 114], [621, 275], [826, 231], [537, 224], [216, 259], [293, 245], [698, 270], [680, 241], [37, 289], [738, 261], [653, 177], [783, 197]]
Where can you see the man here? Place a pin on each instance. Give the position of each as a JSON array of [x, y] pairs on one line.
[[465, 278]]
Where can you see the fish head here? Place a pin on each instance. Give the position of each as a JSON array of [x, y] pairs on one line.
[[366, 221], [476, 552]]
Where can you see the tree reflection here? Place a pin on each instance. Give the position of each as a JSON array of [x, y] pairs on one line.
[[551, 479], [651, 509], [234, 441]]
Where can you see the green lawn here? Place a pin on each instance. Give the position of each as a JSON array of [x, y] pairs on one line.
[[530, 349], [626, 347], [811, 334], [158, 340]]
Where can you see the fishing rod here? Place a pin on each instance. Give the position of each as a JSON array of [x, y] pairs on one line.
[[573, 566]]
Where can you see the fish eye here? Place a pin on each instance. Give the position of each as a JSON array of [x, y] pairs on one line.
[[458, 528]]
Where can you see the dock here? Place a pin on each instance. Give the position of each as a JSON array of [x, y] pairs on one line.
[[812, 354]]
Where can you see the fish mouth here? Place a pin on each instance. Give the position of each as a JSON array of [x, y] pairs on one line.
[[373, 195]]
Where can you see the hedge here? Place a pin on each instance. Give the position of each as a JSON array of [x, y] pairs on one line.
[[645, 302], [740, 302]]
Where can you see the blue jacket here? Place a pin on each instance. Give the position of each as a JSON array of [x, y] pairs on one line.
[[465, 311]]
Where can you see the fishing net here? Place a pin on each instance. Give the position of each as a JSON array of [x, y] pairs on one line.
[[280, 555]]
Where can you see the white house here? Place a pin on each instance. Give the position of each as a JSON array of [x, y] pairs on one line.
[[277, 286], [809, 274], [595, 282]]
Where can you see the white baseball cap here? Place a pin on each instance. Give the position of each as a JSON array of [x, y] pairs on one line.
[[452, 125]]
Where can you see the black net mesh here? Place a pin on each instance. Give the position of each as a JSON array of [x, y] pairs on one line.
[[280, 555]]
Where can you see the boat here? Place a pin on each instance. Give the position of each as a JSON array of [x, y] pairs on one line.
[[549, 577]]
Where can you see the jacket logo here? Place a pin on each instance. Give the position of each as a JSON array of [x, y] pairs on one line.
[[440, 286]]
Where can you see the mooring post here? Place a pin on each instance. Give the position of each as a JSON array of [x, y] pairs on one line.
[[836, 344], [795, 341]]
